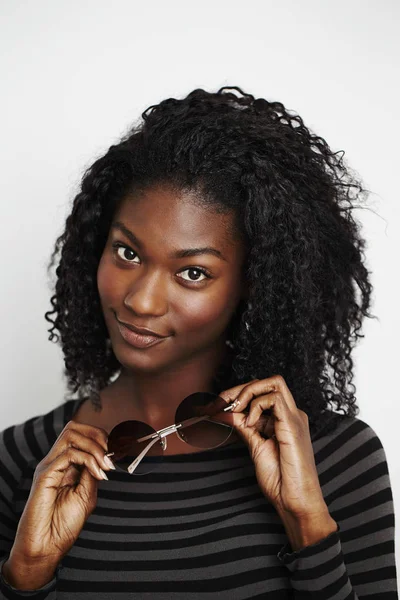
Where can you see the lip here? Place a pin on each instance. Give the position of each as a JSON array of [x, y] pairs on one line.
[[141, 330], [137, 340]]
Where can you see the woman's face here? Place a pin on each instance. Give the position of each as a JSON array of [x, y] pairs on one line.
[[144, 284]]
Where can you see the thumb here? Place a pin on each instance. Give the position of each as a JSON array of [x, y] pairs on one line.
[[251, 436]]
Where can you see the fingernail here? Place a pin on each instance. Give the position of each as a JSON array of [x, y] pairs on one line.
[[104, 476], [109, 462]]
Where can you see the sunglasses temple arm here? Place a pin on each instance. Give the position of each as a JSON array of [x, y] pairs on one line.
[[194, 420], [137, 460], [224, 424]]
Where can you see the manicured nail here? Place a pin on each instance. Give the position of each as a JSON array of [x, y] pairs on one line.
[[104, 476], [109, 462]]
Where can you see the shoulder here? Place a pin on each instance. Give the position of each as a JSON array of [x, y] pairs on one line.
[[30, 440], [352, 447], [348, 430]]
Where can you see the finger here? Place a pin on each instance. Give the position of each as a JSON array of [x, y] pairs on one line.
[[82, 442], [232, 393], [264, 425], [273, 401], [254, 436], [79, 435], [70, 456], [264, 386], [98, 434]]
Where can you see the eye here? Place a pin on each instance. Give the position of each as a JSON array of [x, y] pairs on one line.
[[199, 270], [127, 250], [124, 249]]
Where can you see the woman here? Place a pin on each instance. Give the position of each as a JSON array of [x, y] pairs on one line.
[[223, 227]]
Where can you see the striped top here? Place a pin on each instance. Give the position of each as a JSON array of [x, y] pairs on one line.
[[198, 526]]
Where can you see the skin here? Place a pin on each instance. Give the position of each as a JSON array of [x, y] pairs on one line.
[[284, 462], [145, 288], [148, 288], [142, 285]]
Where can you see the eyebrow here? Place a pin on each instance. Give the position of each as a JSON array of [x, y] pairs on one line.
[[181, 253]]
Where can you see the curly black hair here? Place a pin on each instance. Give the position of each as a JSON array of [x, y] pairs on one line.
[[293, 200]]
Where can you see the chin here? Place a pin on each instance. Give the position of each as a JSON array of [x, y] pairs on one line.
[[134, 359]]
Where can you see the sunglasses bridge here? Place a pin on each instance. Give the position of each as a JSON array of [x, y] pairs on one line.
[[162, 434]]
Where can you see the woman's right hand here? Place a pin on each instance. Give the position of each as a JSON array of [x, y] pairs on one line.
[[63, 494]]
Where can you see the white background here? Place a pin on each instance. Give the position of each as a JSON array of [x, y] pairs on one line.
[[76, 74]]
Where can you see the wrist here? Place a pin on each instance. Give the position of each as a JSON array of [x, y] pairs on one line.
[[307, 530], [27, 574]]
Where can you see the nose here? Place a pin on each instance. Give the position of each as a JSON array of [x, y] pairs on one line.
[[147, 295]]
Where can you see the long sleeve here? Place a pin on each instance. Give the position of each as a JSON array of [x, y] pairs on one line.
[[14, 448], [200, 525], [358, 560]]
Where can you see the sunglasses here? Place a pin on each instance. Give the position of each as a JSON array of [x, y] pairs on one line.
[[133, 444]]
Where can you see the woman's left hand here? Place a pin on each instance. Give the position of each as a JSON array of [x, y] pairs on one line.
[[284, 464]]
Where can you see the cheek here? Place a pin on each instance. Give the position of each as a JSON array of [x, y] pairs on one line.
[[206, 313]]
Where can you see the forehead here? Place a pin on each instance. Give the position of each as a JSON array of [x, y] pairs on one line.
[[177, 220]]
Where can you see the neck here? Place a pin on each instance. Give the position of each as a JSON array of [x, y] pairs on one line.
[[153, 397]]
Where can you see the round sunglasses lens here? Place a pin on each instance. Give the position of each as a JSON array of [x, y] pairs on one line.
[[207, 433], [125, 441]]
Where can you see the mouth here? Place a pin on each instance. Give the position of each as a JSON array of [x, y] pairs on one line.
[[141, 330], [136, 339]]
